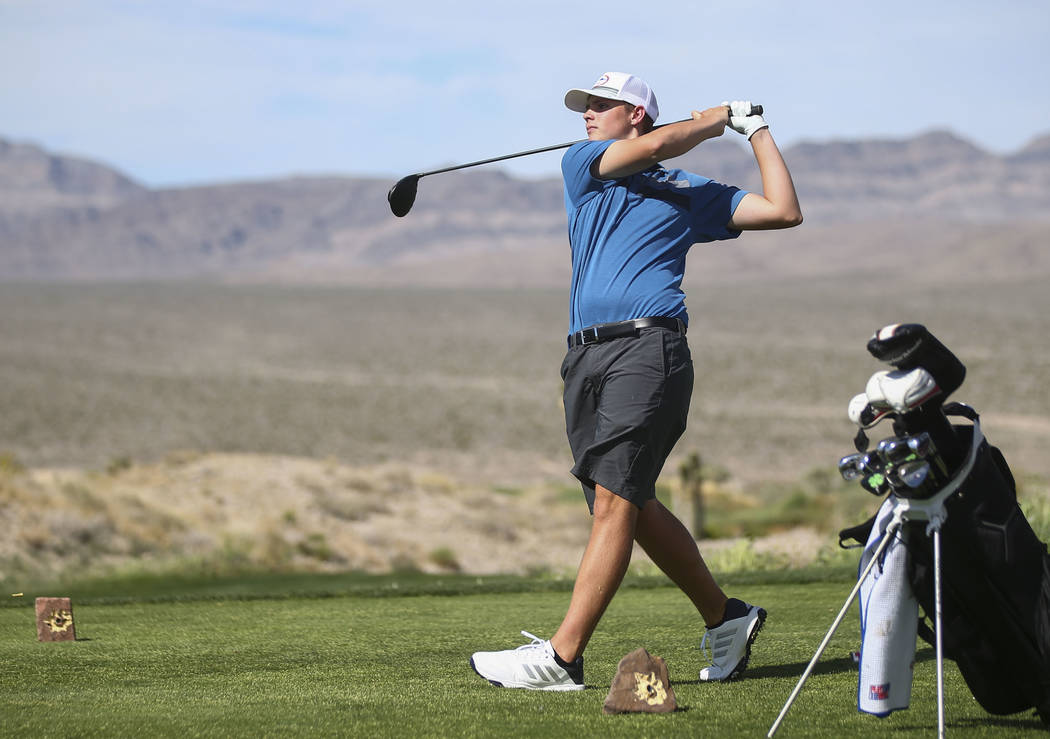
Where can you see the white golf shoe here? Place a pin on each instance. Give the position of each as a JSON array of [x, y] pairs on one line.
[[730, 645], [530, 666]]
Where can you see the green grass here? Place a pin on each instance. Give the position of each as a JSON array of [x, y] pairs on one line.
[[326, 656]]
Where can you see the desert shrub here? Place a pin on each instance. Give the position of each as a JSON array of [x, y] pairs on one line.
[[444, 558], [316, 546], [1036, 506], [118, 465], [10, 464]]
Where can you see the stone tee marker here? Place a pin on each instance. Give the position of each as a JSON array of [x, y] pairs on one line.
[[641, 685], [54, 620]]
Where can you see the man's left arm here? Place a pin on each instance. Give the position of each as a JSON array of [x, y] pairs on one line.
[[777, 206]]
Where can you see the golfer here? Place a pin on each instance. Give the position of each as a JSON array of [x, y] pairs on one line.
[[628, 373]]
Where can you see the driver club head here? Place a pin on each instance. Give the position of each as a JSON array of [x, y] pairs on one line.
[[403, 194]]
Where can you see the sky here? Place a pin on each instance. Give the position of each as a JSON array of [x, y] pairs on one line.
[[177, 93]]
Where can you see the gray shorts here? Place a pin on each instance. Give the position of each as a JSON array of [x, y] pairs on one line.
[[626, 403]]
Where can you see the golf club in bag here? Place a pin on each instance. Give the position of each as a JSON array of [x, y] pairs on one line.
[[402, 195], [965, 553]]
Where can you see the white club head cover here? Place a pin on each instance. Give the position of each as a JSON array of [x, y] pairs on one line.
[[863, 413], [856, 408], [901, 390]]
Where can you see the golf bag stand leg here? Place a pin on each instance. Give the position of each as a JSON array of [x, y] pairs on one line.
[[935, 525], [891, 532]]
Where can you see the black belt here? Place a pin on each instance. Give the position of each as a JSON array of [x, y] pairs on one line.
[[604, 331]]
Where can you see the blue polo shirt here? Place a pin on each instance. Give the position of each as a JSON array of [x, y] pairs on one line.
[[629, 237]]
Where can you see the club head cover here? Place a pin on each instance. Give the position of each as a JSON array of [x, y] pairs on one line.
[[901, 391], [863, 413], [910, 345], [858, 410]]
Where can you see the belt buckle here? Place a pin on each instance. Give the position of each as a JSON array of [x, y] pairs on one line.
[[589, 335]]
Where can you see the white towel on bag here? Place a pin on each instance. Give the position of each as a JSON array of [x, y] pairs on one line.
[[889, 620]]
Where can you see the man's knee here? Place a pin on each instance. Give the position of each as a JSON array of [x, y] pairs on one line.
[[608, 506]]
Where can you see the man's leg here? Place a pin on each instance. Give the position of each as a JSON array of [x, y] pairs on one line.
[[558, 664], [732, 624], [672, 548], [601, 570]]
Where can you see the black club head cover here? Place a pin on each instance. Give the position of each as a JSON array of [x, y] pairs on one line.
[[909, 345]]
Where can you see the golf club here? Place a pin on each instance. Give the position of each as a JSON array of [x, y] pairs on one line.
[[914, 474], [403, 194], [851, 467], [921, 444], [925, 449], [894, 450], [874, 479]]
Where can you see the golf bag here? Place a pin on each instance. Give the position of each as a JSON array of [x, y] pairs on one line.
[[995, 575], [995, 589]]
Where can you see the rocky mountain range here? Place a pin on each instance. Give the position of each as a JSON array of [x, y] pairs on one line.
[[929, 207]]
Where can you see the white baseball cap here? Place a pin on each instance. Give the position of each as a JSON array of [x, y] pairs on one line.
[[615, 86]]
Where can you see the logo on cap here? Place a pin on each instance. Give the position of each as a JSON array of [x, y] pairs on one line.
[[602, 80]]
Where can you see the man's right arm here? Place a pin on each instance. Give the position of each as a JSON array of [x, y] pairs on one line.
[[630, 156], [777, 206]]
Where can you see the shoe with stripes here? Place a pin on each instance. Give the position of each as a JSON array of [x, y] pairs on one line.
[[530, 666], [730, 644]]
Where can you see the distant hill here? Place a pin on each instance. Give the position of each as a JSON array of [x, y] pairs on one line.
[[930, 207], [32, 180]]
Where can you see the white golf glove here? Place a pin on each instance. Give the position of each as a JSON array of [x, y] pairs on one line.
[[741, 122]]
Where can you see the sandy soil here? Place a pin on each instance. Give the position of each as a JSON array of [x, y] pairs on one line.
[[228, 510]]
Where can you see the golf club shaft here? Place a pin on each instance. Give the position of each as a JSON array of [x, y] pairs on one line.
[[555, 147], [755, 110]]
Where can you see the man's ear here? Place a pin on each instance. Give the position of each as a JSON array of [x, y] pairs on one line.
[[637, 115]]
